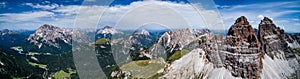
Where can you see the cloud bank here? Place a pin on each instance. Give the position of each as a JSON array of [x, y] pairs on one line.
[[171, 13]]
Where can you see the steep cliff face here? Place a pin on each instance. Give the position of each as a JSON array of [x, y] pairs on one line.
[[174, 40], [273, 41], [140, 42], [49, 35], [241, 50], [242, 33], [240, 54]]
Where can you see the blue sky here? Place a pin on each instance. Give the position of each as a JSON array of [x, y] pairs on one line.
[[28, 14], [285, 13]]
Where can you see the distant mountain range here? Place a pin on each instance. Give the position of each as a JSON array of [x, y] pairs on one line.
[[244, 52]]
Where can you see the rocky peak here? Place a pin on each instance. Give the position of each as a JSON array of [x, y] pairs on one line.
[[141, 39], [272, 39], [241, 21], [47, 26], [50, 35], [266, 20], [266, 25], [176, 39], [107, 27], [143, 32], [239, 46], [107, 30], [243, 33], [5, 31], [240, 54]]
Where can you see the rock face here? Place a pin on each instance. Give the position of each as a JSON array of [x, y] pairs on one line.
[[273, 40], [240, 54], [140, 42], [242, 33], [50, 35], [141, 39], [243, 53], [244, 57], [175, 40], [52, 39]]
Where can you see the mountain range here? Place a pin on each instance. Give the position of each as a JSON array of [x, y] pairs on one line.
[[244, 52]]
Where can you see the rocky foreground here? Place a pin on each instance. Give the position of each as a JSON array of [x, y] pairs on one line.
[[241, 54]]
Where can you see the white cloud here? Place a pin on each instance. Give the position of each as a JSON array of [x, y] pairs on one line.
[[140, 12], [168, 13], [26, 16], [177, 15], [44, 7]]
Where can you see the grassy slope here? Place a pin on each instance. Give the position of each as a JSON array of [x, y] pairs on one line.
[[62, 74], [178, 54], [296, 51], [102, 41], [142, 68]]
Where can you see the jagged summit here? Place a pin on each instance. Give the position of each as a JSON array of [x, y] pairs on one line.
[[273, 37], [243, 32], [107, 27], [143, 31], [266, 19], [242, 21], [47, 26], [5, 31], [240, 25], [50, 35], [108, 30]]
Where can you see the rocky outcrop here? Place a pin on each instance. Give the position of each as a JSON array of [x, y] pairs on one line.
[[50, 35], [238, 51], [140, 42], [141, 39], [194, 65], [121, 74], [243, 54], [176, 40], [5, 32], [106, 32], [242, 33], [52, 39], [273, 41]]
